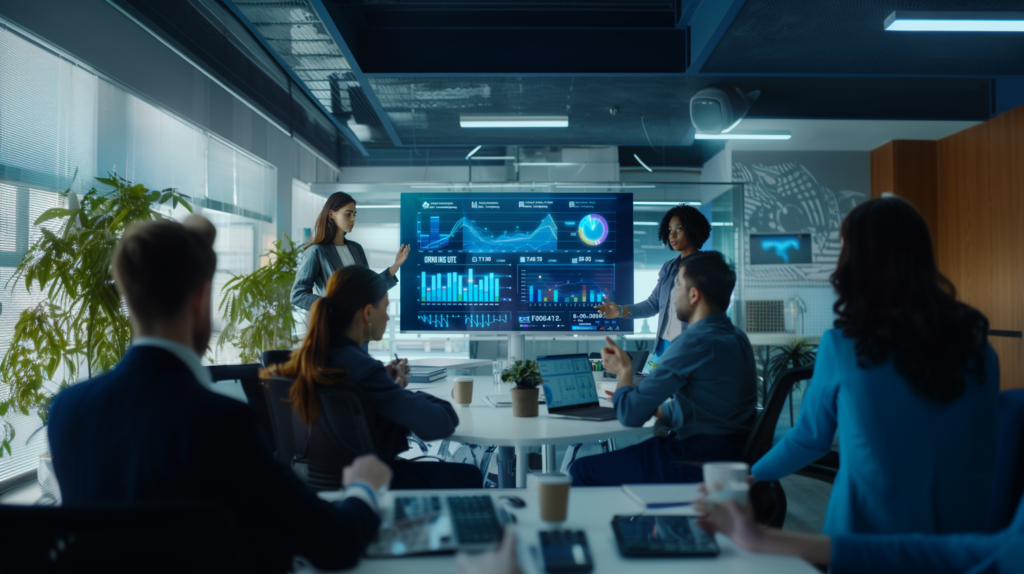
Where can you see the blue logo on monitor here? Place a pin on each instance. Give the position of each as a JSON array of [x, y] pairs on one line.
[[524, 319], [781, 246]]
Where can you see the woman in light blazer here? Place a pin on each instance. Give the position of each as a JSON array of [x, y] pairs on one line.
[[329, 250]]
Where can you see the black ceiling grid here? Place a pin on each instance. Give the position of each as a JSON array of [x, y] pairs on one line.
[[848, 37]]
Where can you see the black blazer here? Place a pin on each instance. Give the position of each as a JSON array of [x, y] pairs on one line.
[[319, 262], [148, 431]]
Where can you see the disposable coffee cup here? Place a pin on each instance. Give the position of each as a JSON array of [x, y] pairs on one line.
[[730, 477], [553, 496], [462, 392]]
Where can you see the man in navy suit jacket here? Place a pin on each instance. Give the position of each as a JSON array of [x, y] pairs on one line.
[[151, 429]]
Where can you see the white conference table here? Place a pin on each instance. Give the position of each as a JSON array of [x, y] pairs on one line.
[[482, 424], [590, 509]]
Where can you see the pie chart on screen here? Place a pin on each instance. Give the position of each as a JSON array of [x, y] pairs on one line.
[[593, 229]]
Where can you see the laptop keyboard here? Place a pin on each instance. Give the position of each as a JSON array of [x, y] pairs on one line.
[[475, 519]]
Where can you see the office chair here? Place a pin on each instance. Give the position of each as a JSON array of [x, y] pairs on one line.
[[172, 536], [1008, 479], [287, 429], [249, 376], [341, 433], [768, 498], [275, 357]]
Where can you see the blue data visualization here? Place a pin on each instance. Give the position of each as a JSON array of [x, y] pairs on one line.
[[515, 262], [780, 249]]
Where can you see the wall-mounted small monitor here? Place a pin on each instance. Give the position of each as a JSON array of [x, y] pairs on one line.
[[780, 248]]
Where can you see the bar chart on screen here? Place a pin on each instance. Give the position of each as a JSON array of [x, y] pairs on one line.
[[467, 286], [565, 286]]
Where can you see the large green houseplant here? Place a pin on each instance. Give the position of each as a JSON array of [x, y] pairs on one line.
[[80, 328], [257, 307]]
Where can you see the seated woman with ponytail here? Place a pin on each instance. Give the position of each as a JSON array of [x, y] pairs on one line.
[[353, 312]]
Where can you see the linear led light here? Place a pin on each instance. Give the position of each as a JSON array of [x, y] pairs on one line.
[[748, 135], [358, 207], [493, 157], [642, 162], [514, 121], [646, 223], [599, 185], [693, 203], [904, 21], [476, 149], [467, 184], [721, 224], [549, 163]]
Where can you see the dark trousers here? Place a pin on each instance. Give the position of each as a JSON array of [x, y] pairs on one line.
[[655, 461], [417, 475]]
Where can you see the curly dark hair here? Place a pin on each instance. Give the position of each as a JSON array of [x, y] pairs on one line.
[[894, 302], [695, 225]]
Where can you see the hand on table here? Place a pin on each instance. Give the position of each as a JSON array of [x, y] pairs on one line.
[[614, 359], [368, 469], [501, 560], [609, 310]]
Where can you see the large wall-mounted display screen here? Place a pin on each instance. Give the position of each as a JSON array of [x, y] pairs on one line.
[[516, 262], [780, 249]]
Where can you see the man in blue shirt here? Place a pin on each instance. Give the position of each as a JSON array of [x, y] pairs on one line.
[[707, 376]]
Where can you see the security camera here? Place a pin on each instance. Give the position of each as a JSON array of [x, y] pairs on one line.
[[718, 110]]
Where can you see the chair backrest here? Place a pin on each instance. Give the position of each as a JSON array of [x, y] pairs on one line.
[[769, 498], [341, 433], [275, 357], [287, 429], [249, 376], [760, 439], [1008, 480], [172, 536]]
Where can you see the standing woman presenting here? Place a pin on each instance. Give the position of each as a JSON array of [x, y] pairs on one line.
[[684, 229], [329, 250]]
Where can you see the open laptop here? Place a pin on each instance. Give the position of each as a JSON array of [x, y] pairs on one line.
[[569, 388], [416, 525]]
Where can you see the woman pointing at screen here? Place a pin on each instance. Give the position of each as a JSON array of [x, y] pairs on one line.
[[684, 229], [329, 250]]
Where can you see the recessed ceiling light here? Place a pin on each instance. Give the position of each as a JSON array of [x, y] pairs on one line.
[[904, 21], [514, 121], [747, 135]]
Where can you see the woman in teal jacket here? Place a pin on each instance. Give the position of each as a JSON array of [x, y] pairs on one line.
[[908, 380]]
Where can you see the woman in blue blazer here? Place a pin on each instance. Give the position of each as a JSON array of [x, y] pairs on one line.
[[329, 250], [907, 378]]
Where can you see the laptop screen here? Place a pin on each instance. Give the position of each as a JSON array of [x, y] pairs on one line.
[[568, 381]]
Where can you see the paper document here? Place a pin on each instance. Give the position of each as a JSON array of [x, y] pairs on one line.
[[663, 495], [500, 401]]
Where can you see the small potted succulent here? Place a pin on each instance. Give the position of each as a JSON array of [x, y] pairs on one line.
[[525, 395]]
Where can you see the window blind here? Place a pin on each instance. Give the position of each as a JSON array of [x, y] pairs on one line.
[[59, 118]]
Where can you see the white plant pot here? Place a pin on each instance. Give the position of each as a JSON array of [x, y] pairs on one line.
[[48, 479]]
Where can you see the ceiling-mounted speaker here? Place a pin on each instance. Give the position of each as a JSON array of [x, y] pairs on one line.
[[718, 110]]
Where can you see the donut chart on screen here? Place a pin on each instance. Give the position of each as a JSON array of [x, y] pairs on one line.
[[593, 229]]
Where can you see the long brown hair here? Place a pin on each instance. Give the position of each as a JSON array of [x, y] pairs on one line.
[[349, 290], [325, 228], [894, 302]]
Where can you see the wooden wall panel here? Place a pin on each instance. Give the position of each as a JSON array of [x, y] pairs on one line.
[[907, 168], [882, 177], [980, 179]]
